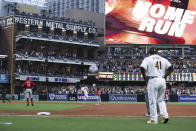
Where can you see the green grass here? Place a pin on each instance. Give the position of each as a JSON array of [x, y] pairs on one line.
[[39, 107], [67, 105], [92, 124], [182, 103], [44, 123], [78, 102]]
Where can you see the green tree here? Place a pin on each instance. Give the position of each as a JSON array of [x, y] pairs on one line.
[[15, 7], [50, 12], [8, 6], [44, 12]]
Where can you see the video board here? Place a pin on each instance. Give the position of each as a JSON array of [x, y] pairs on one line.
[[150, 22]]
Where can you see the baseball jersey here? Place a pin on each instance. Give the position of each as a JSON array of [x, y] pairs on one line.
[[85, 88], [166, 92], [98, 93], [155, 65], [28, 84]]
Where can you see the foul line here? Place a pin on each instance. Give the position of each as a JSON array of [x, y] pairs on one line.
[[109, 116]]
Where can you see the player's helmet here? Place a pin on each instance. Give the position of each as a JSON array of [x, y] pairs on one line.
[[153, 50], [27, 78]]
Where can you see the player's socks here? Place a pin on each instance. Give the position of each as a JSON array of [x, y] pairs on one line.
[[32, 102], [27, 101]]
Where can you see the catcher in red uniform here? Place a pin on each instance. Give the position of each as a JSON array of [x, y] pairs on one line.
[[29, 85]]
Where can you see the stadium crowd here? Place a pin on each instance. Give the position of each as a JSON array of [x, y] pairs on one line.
[[55, 53], [129, 60], [48, 59], [178, 89], [53, 69], [58, 37], [4, 71]]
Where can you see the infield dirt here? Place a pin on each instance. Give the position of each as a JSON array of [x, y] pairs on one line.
[[110, 110]]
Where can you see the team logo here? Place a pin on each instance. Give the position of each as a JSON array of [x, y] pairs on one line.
[[52, 96], [2, 77]]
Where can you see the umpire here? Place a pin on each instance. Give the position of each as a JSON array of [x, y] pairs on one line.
[[4, 91], [3, 94]]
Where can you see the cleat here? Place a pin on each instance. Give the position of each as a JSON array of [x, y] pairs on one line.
[[151, 122], [27, 104], [32, 104], [165, 120]]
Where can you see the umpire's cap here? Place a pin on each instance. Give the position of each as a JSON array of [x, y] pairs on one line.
[[153, 50]]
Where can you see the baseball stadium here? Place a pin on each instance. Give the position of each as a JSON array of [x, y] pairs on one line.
[[89, 71]]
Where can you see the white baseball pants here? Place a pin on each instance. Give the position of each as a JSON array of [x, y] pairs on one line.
[[156, 92], [29, 93]]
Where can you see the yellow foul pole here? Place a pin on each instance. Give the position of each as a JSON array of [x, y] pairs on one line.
[[12, 58]]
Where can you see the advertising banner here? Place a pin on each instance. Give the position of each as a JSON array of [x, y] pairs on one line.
[[91, 97], [106, 75], [63, 80], [186, 76], [4, 78], [127, 76], [33, 78], [122, 97], [8, 96], [23, 97], [8, 21], [57, 97], [150, 22], [59, 79], [186, 98], [72, 97], [194, 76]]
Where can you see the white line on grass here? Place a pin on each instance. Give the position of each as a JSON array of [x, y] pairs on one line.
[[6, 123], [117, 116]]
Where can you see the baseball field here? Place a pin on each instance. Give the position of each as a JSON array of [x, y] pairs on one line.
[[79, 116]]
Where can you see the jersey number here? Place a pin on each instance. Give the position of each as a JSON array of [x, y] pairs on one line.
[[158, 65], [28, 84]]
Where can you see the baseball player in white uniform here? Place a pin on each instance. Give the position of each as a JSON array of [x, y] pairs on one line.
[[85, 90], [154, 70]]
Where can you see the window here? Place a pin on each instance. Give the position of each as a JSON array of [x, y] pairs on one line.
[[72, 5], [77, 5]]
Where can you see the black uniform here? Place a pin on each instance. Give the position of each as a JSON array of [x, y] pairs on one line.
[[3, 94]]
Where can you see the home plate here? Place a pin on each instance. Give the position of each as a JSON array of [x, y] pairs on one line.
[[43, 113], [6, 123]]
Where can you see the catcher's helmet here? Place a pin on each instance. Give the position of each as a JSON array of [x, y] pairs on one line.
[[153, 50]]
